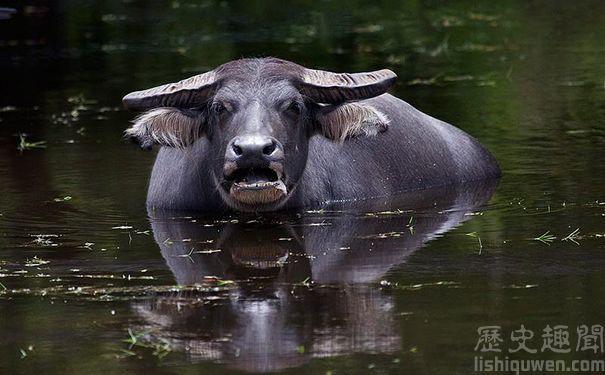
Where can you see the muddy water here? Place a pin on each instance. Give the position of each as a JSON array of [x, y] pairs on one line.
[[91, 282]]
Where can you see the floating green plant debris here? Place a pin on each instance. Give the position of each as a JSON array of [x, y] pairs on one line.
[[475, 235], [113, 293], [35, 261], [573, 236], [24, 144], [88, 245], [424, 285], [224, 282], [526, 286], [132, 339], [188, 255], [546, 238], [209, 251], [144, 340], [317, 224], [387, 213], [44, 240], [383, 235], [62, 199]]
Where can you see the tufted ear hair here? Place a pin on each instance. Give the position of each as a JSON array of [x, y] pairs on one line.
[[348, 120], [172, 127]]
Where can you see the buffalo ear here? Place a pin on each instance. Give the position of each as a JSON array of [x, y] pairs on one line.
[[348, 120], [170, 127]]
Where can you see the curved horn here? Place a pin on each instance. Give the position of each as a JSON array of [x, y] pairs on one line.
[[328, 87], [182, 94]]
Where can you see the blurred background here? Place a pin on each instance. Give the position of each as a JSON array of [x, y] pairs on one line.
[[527, 78]]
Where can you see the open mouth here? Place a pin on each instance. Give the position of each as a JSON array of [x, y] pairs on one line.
[[256, 185]]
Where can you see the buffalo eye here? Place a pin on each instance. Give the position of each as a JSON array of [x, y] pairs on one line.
[[293, 108], [222, 107]]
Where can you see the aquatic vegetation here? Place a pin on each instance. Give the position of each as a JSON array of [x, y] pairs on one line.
[[24, 144], [545, 237], [207, 290], [188, 255], [63, 199], [44, 240], [384, 235], [548, 238], [526, 286], [133, 339], [159, 347], [526, 81], [88, 245], [573, 236], [414, 287], [35, 261], [475, 235]]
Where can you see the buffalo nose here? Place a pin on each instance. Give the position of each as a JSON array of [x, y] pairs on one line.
[[255, 147]]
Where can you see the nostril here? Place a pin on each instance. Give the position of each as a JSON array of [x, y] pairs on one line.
[[237, 150], [268, 150]]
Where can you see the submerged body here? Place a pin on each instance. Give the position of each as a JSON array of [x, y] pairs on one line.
[[268, 134], [416, 152]]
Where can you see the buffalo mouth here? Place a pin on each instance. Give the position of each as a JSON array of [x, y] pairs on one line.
[[254, 186]]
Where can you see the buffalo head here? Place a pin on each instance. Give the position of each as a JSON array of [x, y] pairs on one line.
[[258, 116]]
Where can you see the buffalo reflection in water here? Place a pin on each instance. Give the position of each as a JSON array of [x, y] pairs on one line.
[[269, 321]]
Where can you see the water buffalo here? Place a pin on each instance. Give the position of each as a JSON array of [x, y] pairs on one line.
[[265, 134]]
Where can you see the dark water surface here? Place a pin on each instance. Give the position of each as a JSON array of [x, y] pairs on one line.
[[91, 284]]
